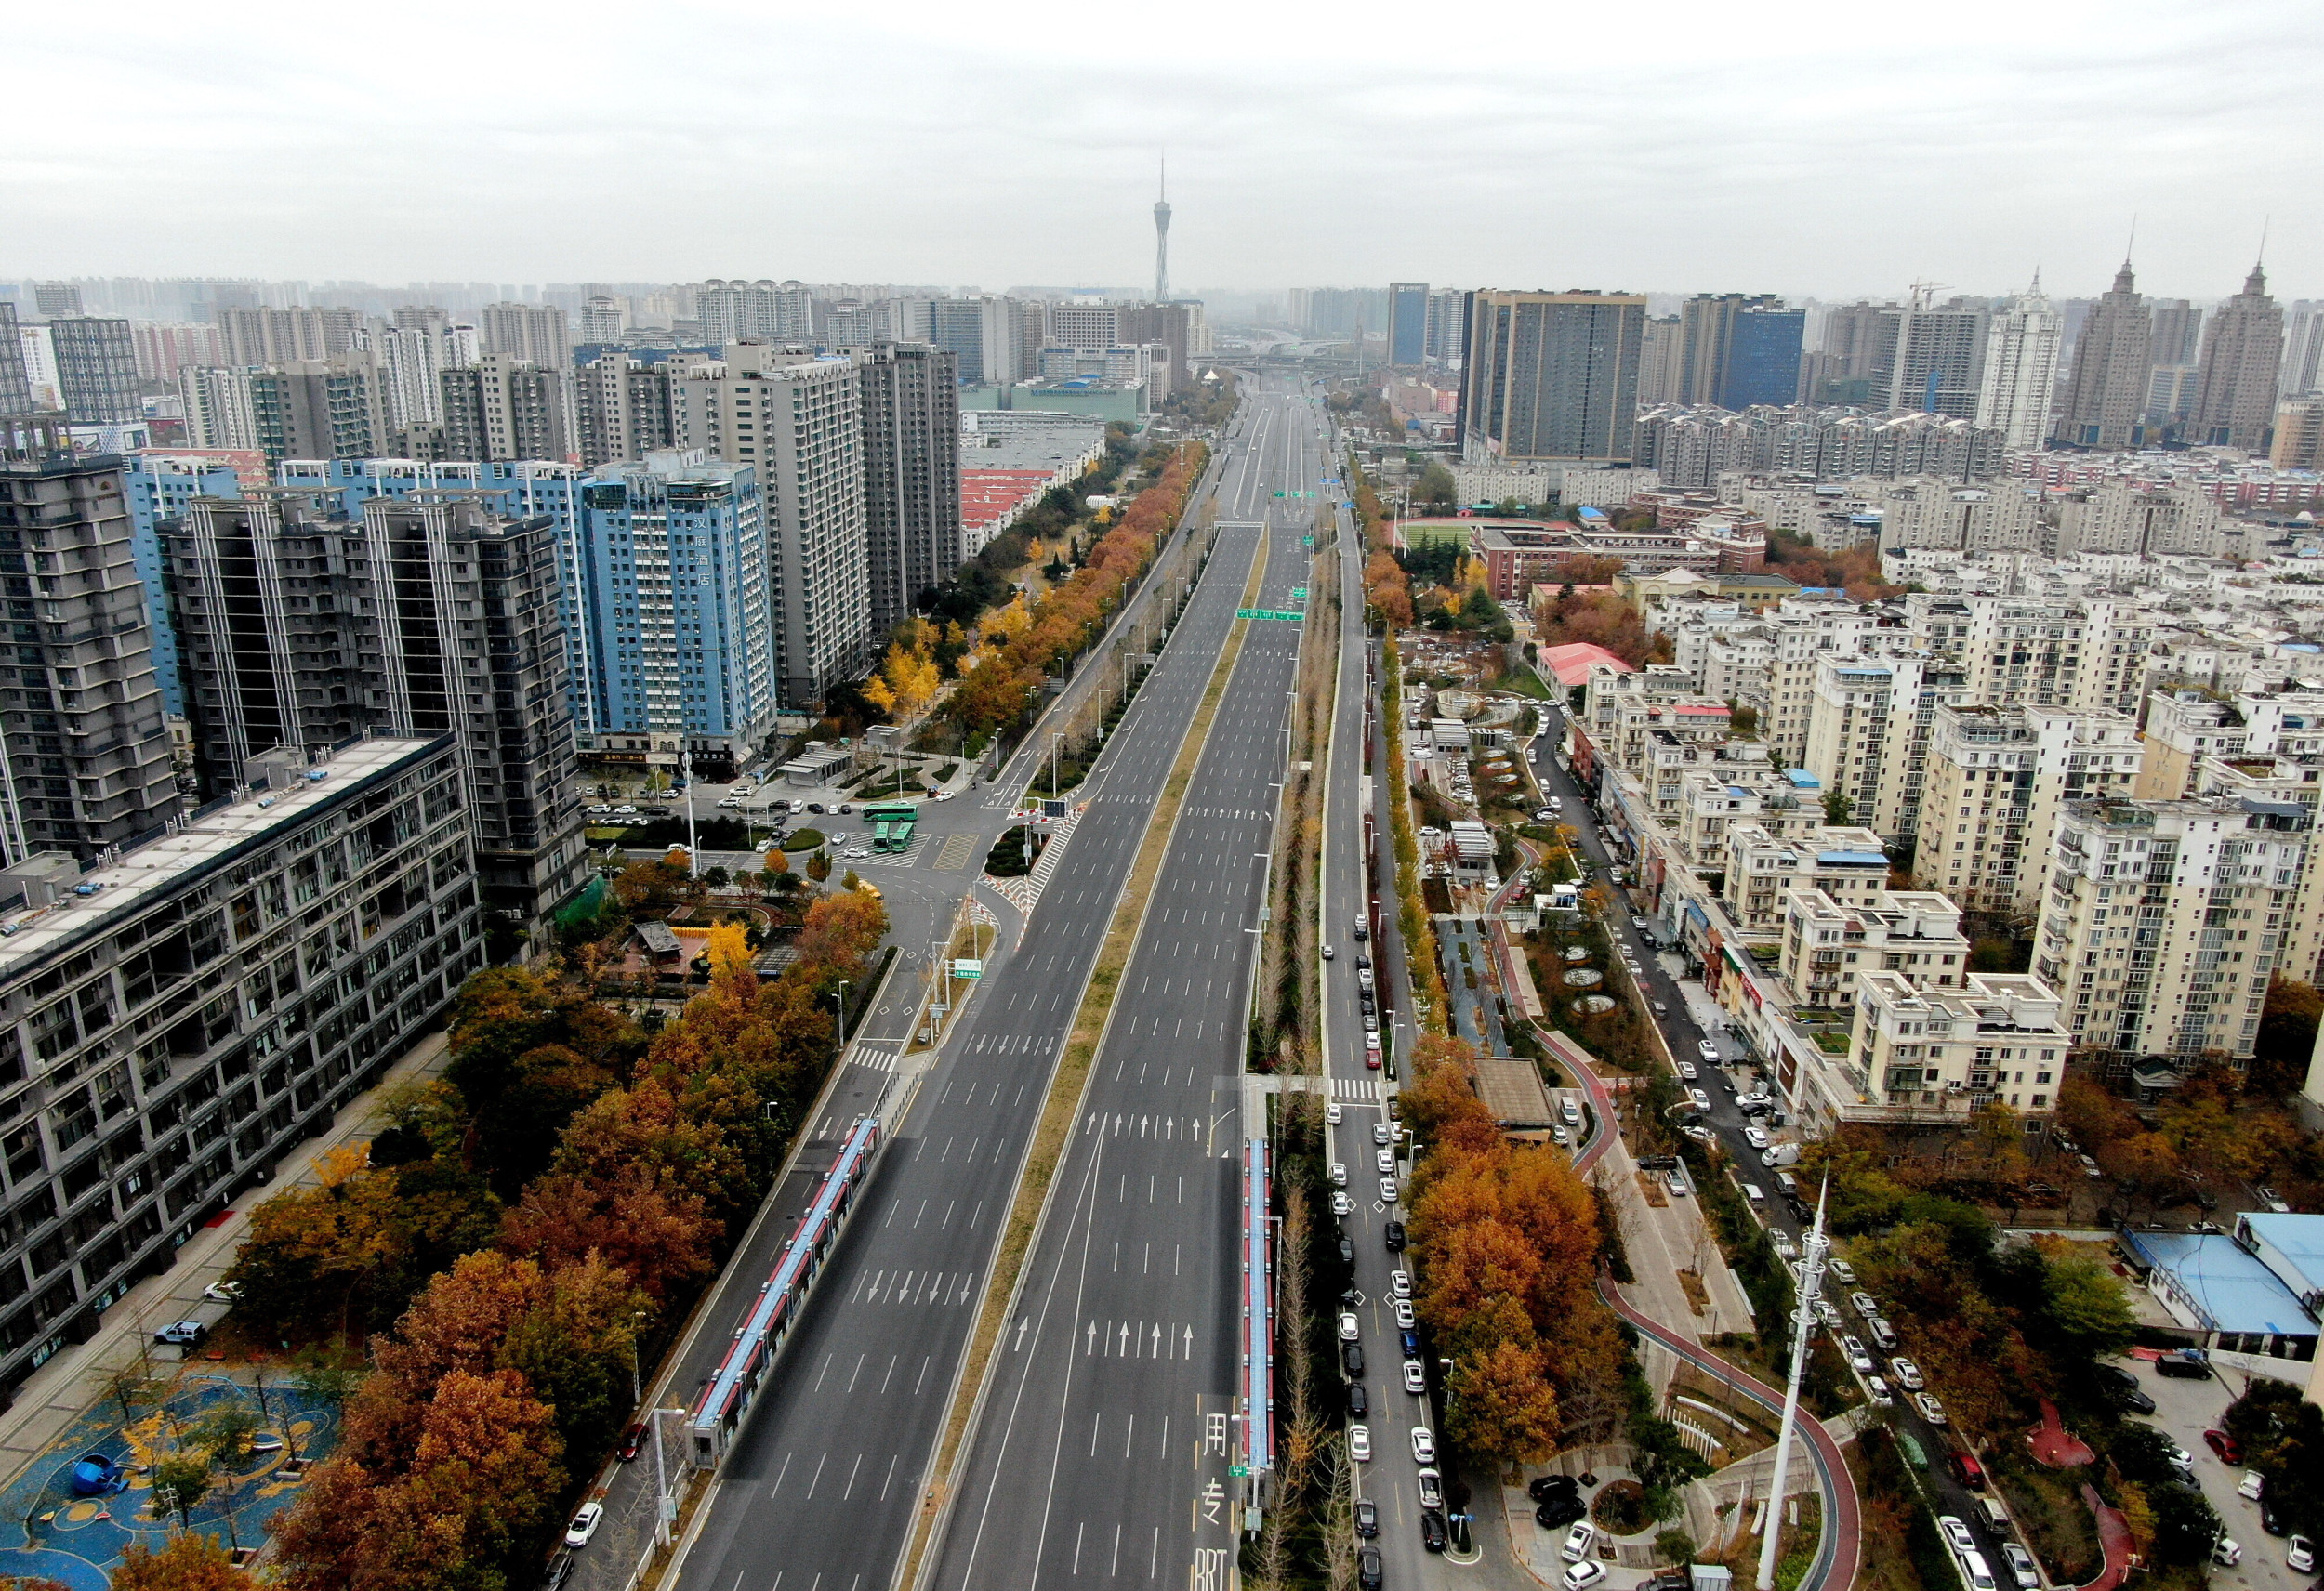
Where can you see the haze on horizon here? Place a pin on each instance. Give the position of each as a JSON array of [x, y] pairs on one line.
[[1816, 150]]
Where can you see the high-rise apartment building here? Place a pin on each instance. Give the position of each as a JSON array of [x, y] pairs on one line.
[[2303, 371], [502, 407], [2177, 337], [622, 407], [1552, 377], [1868, 729], [1407, 322], [2299, 439], [302, 409], [2019, 380], [1940, 358], [1859, 353], [57, 301], [536, 334], [1737, 350], [1661, 345], [97, 370], [2243, 353], [980, 333], [754, 311], [1997, 778], [1084, 323], [911, 408], [84, 755], [219, 414], [1935, 1054], [280, 336], [163, 348], [412, 363], [601, 319], [2163, 921], [2105, 394], [668, 595], [1448, 327], [16, 386], [161, 487], [207, 1006], [428, 615]]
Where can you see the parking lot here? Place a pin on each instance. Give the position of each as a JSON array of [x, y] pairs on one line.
[[2183, 1410]]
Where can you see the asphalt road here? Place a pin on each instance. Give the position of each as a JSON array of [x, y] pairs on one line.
[[1102, 1446], [823, 1483]]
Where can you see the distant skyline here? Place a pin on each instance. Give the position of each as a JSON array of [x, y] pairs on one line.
[[1814, 149]]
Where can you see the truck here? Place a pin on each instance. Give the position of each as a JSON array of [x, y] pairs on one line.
[[1779, 1154]]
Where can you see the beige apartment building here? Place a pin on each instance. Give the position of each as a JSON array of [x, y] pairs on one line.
[[1914, 933], [1996, 776], [1868, 728], [1996, 1040], [2163, 920]]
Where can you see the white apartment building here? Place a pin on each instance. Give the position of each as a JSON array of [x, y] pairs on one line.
[[1997, 1040], [1997, 778], [1914, 933], [2021, 369], [2163, 921], [795, 415], [1868, 728], [2141, 517], [1763, 871]]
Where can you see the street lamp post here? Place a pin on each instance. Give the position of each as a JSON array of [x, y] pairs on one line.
[[1802, 1329], [635, 1394], [842, 1013], [694, 847]]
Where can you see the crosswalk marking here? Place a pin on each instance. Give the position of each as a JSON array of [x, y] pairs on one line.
[[1356, 1088]]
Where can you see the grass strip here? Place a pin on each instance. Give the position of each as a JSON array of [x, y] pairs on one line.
[[1071, 1079]]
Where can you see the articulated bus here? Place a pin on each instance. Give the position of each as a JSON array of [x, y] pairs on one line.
[[770, 1316]]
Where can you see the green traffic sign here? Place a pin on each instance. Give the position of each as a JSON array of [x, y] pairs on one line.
[[1238, 1470], [1291, 617], [1307, 541], [1299, 593]]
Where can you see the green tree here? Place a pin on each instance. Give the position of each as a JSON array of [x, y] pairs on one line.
[[1838, 809], [184, 1478], [2085, 1305], [1436, 485], [2287, 1037], [819, 866]]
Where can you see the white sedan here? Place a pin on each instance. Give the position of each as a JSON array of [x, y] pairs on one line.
[[1755, 1138], [1360, 1443], [854, 853], [1423, 1444]]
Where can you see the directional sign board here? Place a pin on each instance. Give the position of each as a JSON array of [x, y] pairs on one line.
[[1289, 618], [964, 967], [1307, 541], [1299, 593]]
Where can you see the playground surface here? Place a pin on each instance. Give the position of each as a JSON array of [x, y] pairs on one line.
[[48, 1531]]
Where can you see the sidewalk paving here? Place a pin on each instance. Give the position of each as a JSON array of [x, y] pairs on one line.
[[55, 1399]]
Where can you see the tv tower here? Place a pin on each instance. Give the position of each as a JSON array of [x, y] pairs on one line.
[[1162, 238]]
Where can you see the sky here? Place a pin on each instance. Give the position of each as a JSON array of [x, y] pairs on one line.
[[1818, 149]]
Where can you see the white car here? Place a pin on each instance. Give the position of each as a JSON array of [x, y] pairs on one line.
[[1700, 1100], [1708, 1051], [1423, 1445], [1841, 1271], [1931, 1409], [584, 1524], [2181, 1460], [1400, 1283], [1876, 1389], [1385, 1162], [1342, 1205], [625, 809], [1581, 1576], [1578, 1541], [1755, 1138], [1907, 1376], [1403, 1310], [1387, 1189], [1339, 1174], [1689, 1070], [223, 1292], [1827, 1312], [2300, 1554], [2022, 1570], [1349, 1328], [1381, 1134], [1432, 1488], [1863, 1304], [1415, 1377], [729, 801], [1957, 1534], [1360, 1443], [1859, 1361], [2250, 1486], [854, 853]]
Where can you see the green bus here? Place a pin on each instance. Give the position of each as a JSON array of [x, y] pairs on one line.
[[891, 812], [879, 836], [894, 837]]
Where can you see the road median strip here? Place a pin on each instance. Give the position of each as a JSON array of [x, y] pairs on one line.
[[1069, 1083]]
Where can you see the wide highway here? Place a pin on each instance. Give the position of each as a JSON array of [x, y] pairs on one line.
[[823, 1483]]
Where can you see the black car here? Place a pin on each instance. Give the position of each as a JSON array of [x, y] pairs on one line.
[[560, 1571], [1359, 1404], [1559, 1512], [814, 806], [1351, 1356], [1394, 1232], [2186, 1362], [1431, 1529], [1367, 1569], [1548, 1486], [2270, 1520], [1347, 1249], [1368, 1519]]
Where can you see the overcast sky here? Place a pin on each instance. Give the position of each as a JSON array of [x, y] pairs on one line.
[[1811, 148]]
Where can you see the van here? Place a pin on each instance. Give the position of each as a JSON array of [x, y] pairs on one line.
[[1974, 1570], [1661, 1010], [1750, 1192], [1883, 1332], [1995, 1516], [1570, 1112], [1787, 1184]]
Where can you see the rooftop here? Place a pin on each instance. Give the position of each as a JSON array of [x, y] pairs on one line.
[[2229, 1289], [121, 886]]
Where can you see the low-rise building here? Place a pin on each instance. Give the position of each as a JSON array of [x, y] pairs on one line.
[[1914, 933], [1996, 1040]]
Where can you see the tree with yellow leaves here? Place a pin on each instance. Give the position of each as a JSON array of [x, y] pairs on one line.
[[908, 681], [729, 952]]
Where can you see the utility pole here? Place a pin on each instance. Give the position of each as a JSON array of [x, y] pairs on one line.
[[1802, 1326], [694, 846]]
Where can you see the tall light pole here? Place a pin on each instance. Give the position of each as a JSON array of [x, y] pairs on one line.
[[842, 1013], [635, 1394], [694, 847], [1802, 1326]]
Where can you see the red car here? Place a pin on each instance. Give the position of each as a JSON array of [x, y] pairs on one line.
[[2225, 1446], [631, 1440]]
